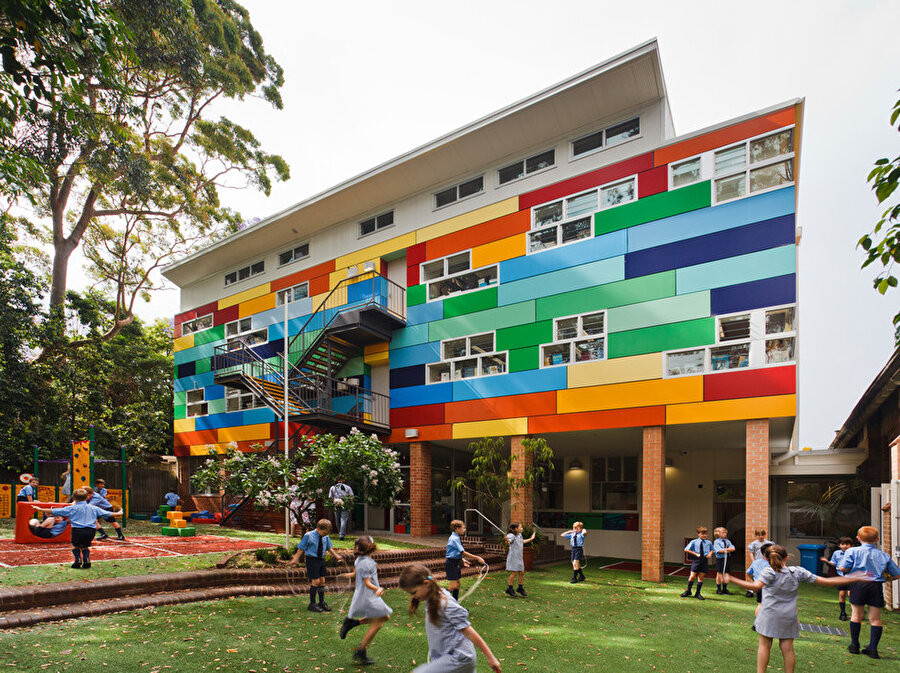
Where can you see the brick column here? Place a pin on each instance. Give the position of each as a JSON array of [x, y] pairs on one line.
[[420, 489], [521, 501], [757, 468], [653, 504]]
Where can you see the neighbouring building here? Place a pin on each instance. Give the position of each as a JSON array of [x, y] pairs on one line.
[[566, 267]]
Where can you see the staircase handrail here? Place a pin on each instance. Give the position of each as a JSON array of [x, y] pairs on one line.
[[231, 351], [472, 509]]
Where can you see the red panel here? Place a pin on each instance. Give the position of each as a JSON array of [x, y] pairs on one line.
[[598, 420], [193, 313], [654, 181], [415, 254], [318, 285], [227, 315], [427, 433], [181, 451], [512, 406], [412, 417], [309, 274], [750, 383], [412, 275], [486, 232], [176, 331], [586, 181]]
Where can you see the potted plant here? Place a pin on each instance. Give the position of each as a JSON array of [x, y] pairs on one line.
[[531, 549]]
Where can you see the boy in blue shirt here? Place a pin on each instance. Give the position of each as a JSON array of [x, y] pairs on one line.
[[28, 493], [837, 558], [457, 557], [314, 545], [879, 566], [702, 550], [50, 527], [100, 487], [576, 539], [83, 519], [95, 498], [172, 499], [724, 549]]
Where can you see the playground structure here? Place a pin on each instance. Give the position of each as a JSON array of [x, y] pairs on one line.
[[25, 512]]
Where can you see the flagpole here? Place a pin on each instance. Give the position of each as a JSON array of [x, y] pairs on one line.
[[287, 509]]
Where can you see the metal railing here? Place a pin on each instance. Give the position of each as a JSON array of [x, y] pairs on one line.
[[338, 398], [242, 359]]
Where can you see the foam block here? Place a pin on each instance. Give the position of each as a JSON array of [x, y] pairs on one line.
[[156, 519], [168, 530], [179, 523], [163, 509], [190, 531]]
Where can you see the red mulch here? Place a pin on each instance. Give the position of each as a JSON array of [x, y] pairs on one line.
[[12, 554], [668, 569]]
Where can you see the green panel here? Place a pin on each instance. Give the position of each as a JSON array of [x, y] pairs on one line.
[[179, 398], [203, 365], [619, 293], [659, 312], [354, 367], [533, 334], [482, 321], [415, 295], [521, 359], [180, 411], [210, 335], [652, 208], [471, 302], [663, 338], [217, 406]]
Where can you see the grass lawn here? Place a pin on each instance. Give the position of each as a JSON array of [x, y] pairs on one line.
[[613, 622]]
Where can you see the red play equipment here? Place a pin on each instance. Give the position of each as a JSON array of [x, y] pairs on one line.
[[25, 511]]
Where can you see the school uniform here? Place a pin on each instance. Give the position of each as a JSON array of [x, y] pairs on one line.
[[51, 532], [102, 491], [703, 547], [514, 557], [754, 570], [722, 556], [314, 547], [449, 650], [365, 604], [870, 559], [171, 499], [25, 491], [100, 501], [453, 557], [778, 616], [755, 546], [83, 518], [577, 542]]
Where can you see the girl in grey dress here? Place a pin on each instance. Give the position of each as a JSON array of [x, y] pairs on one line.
[[777, 617], [367, 606], [515, 562], [451, 638]]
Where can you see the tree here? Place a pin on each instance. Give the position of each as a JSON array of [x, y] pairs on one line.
[[882, 246]]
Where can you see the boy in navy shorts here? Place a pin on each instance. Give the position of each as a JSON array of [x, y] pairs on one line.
[[702, 549], [576, 539], [314, 545], [837, 559], [98, 499], [457, 557], [879, 566], [83, 519], [724, 550]]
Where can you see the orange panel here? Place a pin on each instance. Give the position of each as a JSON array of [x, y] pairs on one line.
[[498, 251], [729, 134], [530, 404], [307, 274], [426, 433], [486, 232], [318, 285], [598, 420], [197, 437]]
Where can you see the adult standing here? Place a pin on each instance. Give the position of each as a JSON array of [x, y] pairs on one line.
[[338, 493]]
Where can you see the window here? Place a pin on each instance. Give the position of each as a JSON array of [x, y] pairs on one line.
[[569, 231], [807, 517], [608, 137], [548, 490], [244, 273], [452, 275], [238, 400], [614, 483], [240, 332], [292, 255], [196, 402], [780, 335], [754, 165], [617, 194], [686, 173], [459, 192], [579, 338], [376, 223], [527, 166], [466, 358], [197, 324], [292, 294], [734, 332]]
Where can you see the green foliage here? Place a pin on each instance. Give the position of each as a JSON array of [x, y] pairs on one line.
[[882, 245], [267, 556]]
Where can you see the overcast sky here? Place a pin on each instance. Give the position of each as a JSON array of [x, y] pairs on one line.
[[367, 81]]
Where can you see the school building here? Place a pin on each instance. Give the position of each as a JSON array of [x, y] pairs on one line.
[[567, 267]]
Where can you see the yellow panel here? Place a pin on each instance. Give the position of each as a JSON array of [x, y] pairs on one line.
[[184, 425], [469, 219], [625, 395], [257, 305], [203, 449], [243, 433], [498, 251], [498, 428], [377, 359], [182, 342], [773, 406], [317, 299], [246, 295], [617, 370], [375, 252], [369, 349]]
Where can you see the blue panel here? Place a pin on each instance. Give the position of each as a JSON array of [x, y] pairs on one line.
[[276, 330], [261, 415], [517, 383], [192, 382], [359, 292], [757, 294], [186, 369], [300, 309], [404, 377], [197, 352], [733, 270], [582, 252], [343, 405], [438, 393], [729, 243], [565, 280], [410, 336], [709, 220], [217, 421], [214, 392], [270, 349], [424, 313], [416, 355]]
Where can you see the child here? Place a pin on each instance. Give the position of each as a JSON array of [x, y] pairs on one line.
[[753, 572], [777, 618], [576, 538], [457, 557], [702, 549], [877, 566], [83, 519], [94, 498], [451, 638], [28, 493], [754, 550], [367, 607], [100, 487], [723, 548], [515, 562], [836, 559], [49, 528], [314, 545], [172, 499]]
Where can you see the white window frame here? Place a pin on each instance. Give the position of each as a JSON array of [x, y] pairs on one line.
[[293, 251], [203, 403], [374, 218], [594, 481], [445, 261], [192, 321], [451, 374], [616, 183], [281, 294], [238, 394], [706, 169], [604, 146], [787, 334], [240, 336], [749, 167], [525, 172], [434, 195], [581, 335], [450, 276], [251, 273]]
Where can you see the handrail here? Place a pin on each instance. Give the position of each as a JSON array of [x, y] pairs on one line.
[[502, 532], [227, 356]]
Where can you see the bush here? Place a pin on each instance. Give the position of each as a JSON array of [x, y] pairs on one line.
[[259, 564], [283, 553], [266, 556]]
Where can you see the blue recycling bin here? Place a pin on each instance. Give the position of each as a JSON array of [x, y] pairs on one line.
[[811, 557]]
